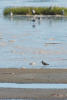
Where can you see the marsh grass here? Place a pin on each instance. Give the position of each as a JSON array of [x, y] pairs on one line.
[[38, 11]]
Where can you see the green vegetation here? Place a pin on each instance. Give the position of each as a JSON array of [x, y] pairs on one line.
[[38, 11]]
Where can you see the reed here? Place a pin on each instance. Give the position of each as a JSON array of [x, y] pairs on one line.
[[38, 11]]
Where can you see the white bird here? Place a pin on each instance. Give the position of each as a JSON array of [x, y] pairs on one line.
[[33, 11], [11, 14]]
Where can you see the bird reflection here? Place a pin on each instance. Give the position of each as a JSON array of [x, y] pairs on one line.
[[33, 25], [34, 22], [36, 19]]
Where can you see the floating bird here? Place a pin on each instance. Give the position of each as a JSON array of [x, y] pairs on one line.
[[44, 63], [33, 20], [38, 17]]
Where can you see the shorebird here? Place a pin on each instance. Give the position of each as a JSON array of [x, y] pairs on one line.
[[33, 12], [11, 14], [33, 20], [44, 63], [38, 17]]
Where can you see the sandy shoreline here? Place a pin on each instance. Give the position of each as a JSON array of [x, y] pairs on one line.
[[41, 16], [43, 94], [22, 75], [33, 76]]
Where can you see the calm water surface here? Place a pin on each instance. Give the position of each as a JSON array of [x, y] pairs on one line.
[[33, 86], [23, 42]]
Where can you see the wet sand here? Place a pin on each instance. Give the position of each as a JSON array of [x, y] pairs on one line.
[[14, 75], [33, 76], [40, 94]]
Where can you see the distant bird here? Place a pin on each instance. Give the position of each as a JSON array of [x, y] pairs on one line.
[[33, 12], [63, 12], [11, 14], [44, 63], [38, 17], [33, 20]]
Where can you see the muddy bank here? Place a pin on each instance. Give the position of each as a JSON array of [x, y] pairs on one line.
[[22, 75], [48, 94]]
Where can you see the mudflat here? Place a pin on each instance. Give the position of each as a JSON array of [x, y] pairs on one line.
[[40, 94], [22, 75], [33, 76]]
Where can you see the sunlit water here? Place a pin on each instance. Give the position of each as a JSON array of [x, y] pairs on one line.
[[25, 44], [33, 86]]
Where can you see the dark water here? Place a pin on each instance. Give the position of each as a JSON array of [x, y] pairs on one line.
[[25, 44]]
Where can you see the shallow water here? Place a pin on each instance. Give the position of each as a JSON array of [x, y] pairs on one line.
[[34, 86], [25, 44]]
